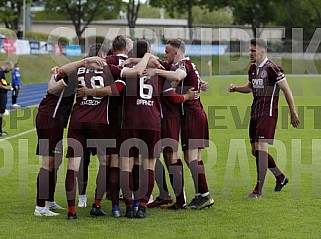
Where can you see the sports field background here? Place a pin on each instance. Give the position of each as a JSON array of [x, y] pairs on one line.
[[292, 213]]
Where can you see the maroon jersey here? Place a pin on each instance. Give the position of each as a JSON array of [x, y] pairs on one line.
[[142, 106], [58, 105], [94, 109], [116, 60], [192, 79], [115, 102], [264, 79], [169, 109]]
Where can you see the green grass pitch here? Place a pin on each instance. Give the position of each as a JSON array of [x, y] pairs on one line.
[[293, 213]]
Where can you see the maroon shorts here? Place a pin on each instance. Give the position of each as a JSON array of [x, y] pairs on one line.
[[83, 136], [50, 133], [170, 132], [262, 129], [194, 131], [140, 142]]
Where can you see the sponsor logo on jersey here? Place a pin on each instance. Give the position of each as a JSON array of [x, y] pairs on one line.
[[257, 83]]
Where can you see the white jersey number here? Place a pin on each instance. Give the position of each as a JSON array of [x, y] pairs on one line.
[[143, 88], [96, 82]]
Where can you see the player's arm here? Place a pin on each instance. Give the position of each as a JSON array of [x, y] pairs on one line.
[[204, 85], [94, 62], [176, 75], [175, 98], [138, 69], [113, 89], [153, 62], [295, 121], [247, 88], [56, 82]]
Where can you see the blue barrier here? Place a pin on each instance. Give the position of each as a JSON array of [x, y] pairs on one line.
[[194, 50]]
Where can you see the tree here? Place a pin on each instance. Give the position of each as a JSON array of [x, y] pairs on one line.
[[256, 13], [201, 15], [183, 6], [81, 12], [11, 13], [180, 6], [132, 14]]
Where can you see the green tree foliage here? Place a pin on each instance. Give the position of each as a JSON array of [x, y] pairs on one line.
[[11, 13], [256, 13], [81, 12], [201, 15], [304, 14], [180, 6]]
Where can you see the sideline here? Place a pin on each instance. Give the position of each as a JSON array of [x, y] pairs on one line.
[[17, 135]]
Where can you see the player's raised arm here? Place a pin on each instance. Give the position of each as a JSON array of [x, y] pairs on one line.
[[56, 82], [94, 62], [113, 89], [139, 68], [247, 88], [295, 121], [176, 75]]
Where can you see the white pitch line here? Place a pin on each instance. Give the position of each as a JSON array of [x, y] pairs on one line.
[[17, 135]]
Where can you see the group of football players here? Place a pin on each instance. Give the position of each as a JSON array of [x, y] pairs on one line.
[[128, 110]]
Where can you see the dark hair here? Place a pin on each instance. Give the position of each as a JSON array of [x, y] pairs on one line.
[[259, 42], [179, 44], [110, 52], [97, 49], [140, 47], [119, 43]]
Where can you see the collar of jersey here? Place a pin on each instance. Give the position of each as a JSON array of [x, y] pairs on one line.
[[122, 55], [263, 62], [184, 59]]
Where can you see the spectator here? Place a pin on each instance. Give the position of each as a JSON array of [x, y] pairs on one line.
[[20, 33], [4, 87], [15, 85]]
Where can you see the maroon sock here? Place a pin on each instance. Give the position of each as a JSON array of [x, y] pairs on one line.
[[72, 209], [177, 180], [261, 169], [114, 185], [52, 184], [42, 187], [97, 202], [202, 183], [148, 184], [82, 175], [136, 181], [70, 185], [101, 182], [274, 169], [198, 173], [126, 185], [107, 179], [160, 179]]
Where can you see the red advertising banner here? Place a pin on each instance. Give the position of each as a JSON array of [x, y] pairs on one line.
[[9, 46]]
